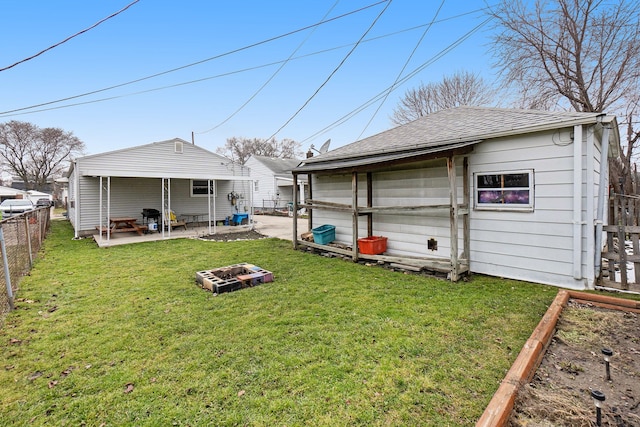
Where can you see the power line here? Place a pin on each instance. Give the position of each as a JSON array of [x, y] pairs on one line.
[[366, 105], [332, 73], [402, 70], [70, 37], [197, 62], [408, 77], [285, 62]]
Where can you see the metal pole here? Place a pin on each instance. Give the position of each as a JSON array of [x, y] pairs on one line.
[[7, 274]]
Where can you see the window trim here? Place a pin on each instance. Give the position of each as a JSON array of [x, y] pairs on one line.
[[517, 207], [212, 188]]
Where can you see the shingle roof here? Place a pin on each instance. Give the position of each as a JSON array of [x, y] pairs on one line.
[[278, 165], [453, 128]]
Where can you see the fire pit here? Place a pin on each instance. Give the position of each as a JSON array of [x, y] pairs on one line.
[[232, 277]]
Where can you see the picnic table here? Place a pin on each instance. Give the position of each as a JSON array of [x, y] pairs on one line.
[[123, 225]]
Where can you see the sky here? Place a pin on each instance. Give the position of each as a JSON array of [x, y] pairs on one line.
[[211, 70]]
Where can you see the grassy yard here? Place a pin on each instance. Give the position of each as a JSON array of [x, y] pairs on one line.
[[123, 336]]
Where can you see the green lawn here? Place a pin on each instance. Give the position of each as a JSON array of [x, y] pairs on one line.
[[123, 336]]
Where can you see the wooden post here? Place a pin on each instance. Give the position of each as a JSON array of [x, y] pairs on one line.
[[622, 225], [309, 197], [466, 227], [369, 204], [354, 209], [453, 217]]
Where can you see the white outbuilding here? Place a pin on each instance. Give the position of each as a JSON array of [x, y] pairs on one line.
[[511, 193], [165, 177]]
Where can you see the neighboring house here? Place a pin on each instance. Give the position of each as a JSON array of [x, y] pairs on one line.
[[61, 192], [11, 193], [19, 184], [167, 175], [510, 193], [273, 181], [34, 196]]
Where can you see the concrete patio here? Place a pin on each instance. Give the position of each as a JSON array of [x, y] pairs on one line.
[[271, 226]]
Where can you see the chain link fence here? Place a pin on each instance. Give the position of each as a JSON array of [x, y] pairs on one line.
[[21, 237]]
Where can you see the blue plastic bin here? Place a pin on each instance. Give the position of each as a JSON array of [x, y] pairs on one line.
[[240, 218], [324, 234]]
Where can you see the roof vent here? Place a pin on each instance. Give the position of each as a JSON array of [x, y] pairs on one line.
[[178, 147]]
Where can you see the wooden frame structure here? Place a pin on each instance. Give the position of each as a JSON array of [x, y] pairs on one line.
[[458, 262]]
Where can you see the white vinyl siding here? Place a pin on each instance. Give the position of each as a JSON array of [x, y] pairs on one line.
[[266, 193], [407, 232], [136, 174], [535, 245]]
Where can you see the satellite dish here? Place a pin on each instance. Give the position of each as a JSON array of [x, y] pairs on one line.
[[325, 146]]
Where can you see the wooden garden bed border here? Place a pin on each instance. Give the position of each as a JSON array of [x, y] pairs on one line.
[[499, 409]]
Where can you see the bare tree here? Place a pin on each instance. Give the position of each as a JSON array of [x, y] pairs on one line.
[[34, 154], [582, 55], [462, 88], [579, 53], [240, 149]]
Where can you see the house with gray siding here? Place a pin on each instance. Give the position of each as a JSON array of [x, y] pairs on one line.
[[273, 181], [167, 175], [511, 193]]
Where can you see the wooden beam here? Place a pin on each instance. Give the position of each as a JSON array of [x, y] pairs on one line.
[[385, 165], [466, 226], [309, 197], [322, 203], [390, 209], [295, 211], [354, 221], [453, 217], [369, 204], [441, 265]]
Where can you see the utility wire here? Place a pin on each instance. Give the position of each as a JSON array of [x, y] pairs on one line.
[[409, 76], [4, 114], [332, 73], [406, 63], [272, 76], [197, 62], [70, 37]]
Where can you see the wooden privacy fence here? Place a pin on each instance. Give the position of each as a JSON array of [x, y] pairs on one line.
[[23, 236], [621, 256]]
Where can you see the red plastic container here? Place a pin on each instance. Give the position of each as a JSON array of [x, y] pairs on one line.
[[373, 245]]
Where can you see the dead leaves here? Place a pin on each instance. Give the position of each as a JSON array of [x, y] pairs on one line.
[[34, 376], [67, 371], [128, 388]]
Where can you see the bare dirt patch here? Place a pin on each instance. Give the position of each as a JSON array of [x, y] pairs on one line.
[[573, 366], [235, 235]]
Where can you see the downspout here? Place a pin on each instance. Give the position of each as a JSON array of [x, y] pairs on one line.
[[577, 202], [604, 177], [589, 213]]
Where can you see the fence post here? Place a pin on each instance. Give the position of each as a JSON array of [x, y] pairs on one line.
[[7, 274], [28, 236]]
